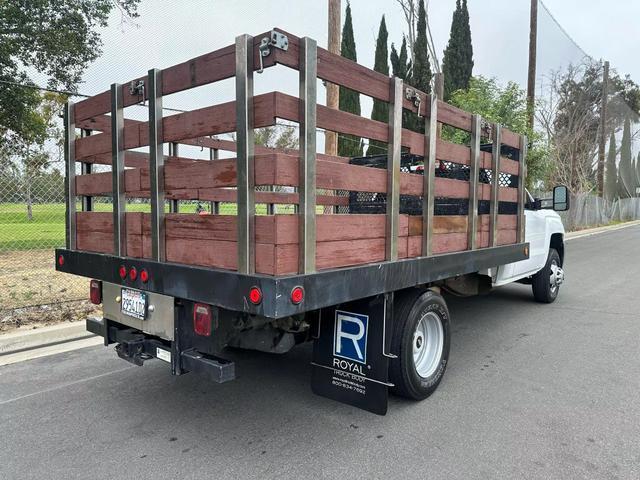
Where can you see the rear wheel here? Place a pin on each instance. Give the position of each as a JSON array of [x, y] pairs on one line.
[[546, 283], [421, 340]]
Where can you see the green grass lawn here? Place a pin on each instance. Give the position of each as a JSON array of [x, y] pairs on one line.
[[47, 228]]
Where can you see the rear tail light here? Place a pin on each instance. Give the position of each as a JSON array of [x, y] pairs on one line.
[[202, 319], [123, 272], [255, 295], [297, 295], [95, 292], [144, 276], [133, 274], [61, 260]]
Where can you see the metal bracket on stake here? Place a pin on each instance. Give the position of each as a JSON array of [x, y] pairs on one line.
[[70, 177], [117, 171], [474, 170], [156, 165], [495, 185], [307, 171], [275, 40], [393, 169], [245, 155], [524, 146], [429, 180], [413, 95]]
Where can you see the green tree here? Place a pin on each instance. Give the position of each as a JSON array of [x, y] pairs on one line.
[[457, 63], [611, 171], [625, 169], [507, 106], [57, 38], [31, 153], [421, 78], [421, 69], [349, 145], [400, 62], [402, 67], [380, 110]]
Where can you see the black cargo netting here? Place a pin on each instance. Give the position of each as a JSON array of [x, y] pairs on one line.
[[368, 202]]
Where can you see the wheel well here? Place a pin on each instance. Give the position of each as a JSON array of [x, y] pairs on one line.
[[557, 242]]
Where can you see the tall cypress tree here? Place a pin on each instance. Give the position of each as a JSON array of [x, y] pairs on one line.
[[421, 78], [380, 110], [402, 68], [400, 62], [611, 171], [457, 64], [349, 145], [625, 168]]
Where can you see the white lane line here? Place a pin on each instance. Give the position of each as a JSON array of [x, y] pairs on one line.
[[9, 358], [69, 384], [604, 230]]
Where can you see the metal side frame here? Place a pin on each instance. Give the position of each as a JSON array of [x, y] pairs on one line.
[[229, 290]]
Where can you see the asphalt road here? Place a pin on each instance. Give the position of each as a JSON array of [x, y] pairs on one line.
[[531, 391]]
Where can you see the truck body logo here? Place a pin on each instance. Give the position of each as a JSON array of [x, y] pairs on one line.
[[350, 336]]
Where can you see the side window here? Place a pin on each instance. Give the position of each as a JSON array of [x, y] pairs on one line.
[[529, 201]]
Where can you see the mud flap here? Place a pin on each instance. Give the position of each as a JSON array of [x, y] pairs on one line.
[[350, 353]]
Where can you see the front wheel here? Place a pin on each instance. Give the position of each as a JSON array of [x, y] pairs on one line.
[[421, 339], [546, 283]]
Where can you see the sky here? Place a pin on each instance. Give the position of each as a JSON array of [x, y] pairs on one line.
[[170, 32], [604, 29]]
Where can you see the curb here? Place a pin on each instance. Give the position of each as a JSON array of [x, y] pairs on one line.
[[42, 337], [594, 231]]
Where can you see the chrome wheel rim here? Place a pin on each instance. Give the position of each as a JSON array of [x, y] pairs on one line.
[[428, 343], [556, 276]]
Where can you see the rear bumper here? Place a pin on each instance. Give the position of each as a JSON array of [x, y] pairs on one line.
[[137, 347], [229, 290]]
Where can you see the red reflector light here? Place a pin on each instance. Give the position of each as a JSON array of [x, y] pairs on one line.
[[255, 295], [95, 292], [123, 272], [144, 276], [297, 295], [133, 273], [61, 260], [202, 319]]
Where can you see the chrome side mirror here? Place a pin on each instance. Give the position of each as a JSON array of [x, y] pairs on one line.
[[561, 198]]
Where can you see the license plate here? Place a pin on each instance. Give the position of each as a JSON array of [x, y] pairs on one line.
[[134, 303]]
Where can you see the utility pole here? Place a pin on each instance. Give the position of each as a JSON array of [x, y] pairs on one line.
[[533, 50], [603, 127], [333, 91]]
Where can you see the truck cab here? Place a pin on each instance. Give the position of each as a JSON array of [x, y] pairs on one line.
[[545, 234]]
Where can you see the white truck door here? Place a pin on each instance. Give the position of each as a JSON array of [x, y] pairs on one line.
[[535, 234]]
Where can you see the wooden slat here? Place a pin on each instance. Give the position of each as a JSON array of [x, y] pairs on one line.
[[279, 198], [343, 240], [511, 139], [342, 71], [211, 67], [94, 232], [100, 184], [212, 120], [131, 159], [278, 169], [453, 116], [459, 223]]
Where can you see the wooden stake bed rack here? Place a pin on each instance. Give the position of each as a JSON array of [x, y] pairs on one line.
[[285, 244]]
